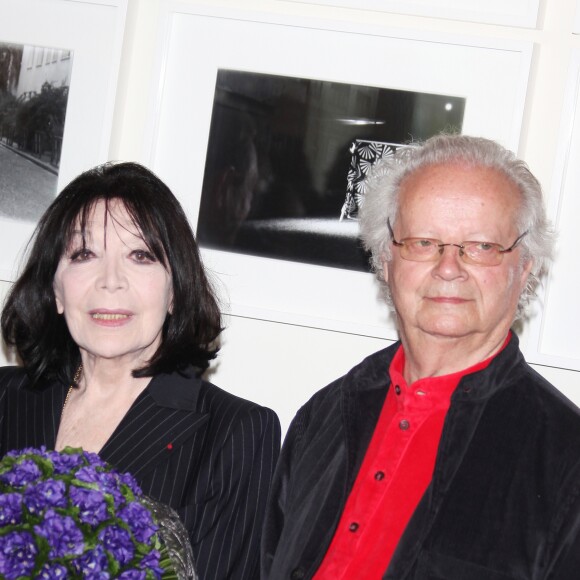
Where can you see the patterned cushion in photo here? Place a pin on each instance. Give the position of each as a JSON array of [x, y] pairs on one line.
[[364, 155]]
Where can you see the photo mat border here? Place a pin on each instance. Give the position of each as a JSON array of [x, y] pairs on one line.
[[288, 292], [93, 30]]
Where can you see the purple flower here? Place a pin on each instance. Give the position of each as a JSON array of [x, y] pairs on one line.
[[151, 562], [23, 473], [92, 564], [52, 572], [106, 481], [94, 459], [91, 504], [65, 462], [62, 534], [132, 575], [139, 519], [28, 451], [46, 494], [117, 541], [51, 500], [88, 474], [10, 508], [17, 554], [131, 483]]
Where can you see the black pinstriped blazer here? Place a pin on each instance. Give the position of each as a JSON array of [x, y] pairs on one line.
[[206, 453]]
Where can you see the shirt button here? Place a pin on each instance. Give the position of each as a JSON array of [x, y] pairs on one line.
[[398, 390], [297, 574], [353, 527], [379, 475], [404, 425]]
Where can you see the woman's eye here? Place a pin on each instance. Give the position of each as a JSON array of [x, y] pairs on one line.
[[81, 255], [143, 256]]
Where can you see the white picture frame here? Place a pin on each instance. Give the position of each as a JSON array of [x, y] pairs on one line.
[[93, 30], [491, 74], [576, 23], [554, 328], [519, 13]]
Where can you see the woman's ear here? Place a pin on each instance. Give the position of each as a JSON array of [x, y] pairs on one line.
[[170, 305], [58, 299]]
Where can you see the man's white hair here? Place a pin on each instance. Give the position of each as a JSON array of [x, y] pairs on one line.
[[381, 201]]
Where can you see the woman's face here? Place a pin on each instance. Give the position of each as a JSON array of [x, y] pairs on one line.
[[112, 291]]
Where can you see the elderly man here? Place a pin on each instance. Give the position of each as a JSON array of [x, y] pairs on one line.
[[444, 456]]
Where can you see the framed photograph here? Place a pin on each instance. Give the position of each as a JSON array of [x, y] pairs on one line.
[[576, 23], [59, 62], [553, 339], [287, 159], [522, 13], [299, 98]]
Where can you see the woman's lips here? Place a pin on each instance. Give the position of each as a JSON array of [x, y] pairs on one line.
[[110, 317]]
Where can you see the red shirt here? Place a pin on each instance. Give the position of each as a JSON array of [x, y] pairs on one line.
[[396, 470]]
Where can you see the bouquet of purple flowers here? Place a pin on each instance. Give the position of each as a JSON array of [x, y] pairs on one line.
[[69, 514]]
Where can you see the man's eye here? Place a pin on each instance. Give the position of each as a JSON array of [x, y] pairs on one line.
[[484, 247], [81, 255], [424, 243]]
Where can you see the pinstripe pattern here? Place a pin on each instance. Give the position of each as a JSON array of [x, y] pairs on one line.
[[206, 453]]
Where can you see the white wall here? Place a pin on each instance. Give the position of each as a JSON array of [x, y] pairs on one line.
[[280, 365]]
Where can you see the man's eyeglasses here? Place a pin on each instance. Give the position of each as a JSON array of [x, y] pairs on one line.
[[429, 250]]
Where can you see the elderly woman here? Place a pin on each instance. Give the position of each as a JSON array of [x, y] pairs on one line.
[[114, 321]]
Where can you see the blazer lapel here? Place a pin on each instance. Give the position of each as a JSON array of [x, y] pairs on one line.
[[160, 421], [50, 409], [34, 416]]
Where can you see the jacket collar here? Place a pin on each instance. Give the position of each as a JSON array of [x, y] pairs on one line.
[[177, 390], [373, 373], [161, 420], [486, 382], [364, 390]]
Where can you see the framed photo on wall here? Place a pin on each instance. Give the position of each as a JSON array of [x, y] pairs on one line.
[[61, 55], [522, 13], [553, 332], [304, 91], [287, 160]]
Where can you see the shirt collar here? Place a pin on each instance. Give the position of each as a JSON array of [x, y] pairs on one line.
[[440, 388]]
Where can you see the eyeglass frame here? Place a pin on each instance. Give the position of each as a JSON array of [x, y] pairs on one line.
[[441, 247]]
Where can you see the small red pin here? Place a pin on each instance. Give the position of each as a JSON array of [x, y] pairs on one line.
[[170, 446]]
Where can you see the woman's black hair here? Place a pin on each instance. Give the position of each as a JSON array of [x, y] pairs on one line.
[[30, 320]]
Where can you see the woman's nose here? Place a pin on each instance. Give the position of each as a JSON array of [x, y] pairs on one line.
[[112, 275]]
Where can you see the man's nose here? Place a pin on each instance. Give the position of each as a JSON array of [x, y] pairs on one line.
[[450, 263]]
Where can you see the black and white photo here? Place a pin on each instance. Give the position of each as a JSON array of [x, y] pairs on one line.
[[34, 89], [284, 152]]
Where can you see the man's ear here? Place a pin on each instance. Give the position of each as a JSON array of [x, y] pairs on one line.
[[385, 268], [525, 273]]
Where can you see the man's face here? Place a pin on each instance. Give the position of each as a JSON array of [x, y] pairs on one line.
[[449, 298]]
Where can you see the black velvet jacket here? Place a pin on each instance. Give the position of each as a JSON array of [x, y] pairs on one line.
[[504, 501]]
